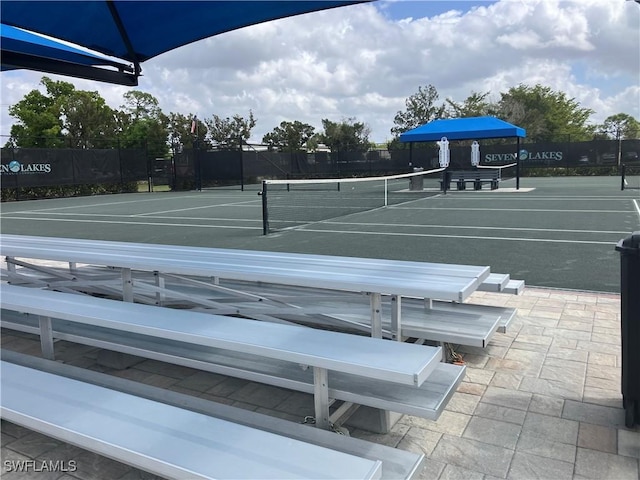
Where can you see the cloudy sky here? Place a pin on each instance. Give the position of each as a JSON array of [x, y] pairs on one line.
[[364, 61]]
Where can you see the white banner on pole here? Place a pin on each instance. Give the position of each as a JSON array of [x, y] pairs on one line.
[[443, 156], [475, 154]]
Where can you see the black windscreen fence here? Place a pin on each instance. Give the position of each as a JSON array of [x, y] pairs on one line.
[[192, 169], [133, 165], [237, 169], [202, 169], [38, 167], [596, 153], [220, 169]]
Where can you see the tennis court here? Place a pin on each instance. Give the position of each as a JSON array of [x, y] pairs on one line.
[[555, 232]]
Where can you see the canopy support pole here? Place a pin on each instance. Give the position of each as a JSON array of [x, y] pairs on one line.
[[125, 37], [517, 163], [411, 156]]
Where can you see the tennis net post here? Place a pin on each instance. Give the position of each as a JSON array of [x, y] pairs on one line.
[[630, 177]]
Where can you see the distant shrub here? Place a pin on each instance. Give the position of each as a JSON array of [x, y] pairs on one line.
[[35, 193]]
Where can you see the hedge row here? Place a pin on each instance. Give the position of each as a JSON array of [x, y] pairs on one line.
[[569, 171], [34, 193]]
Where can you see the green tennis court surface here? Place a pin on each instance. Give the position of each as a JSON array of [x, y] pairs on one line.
[[556, 232]]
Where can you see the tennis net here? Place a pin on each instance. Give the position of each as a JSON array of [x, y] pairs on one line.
[[630, 177], [506, 172], [291, 203]]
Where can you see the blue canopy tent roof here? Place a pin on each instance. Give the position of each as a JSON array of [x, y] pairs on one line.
[[471, 128], [133, 31]]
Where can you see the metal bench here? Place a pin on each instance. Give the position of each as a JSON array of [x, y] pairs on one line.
[[314, 271], [396, 279], [450, 322], [160, 438], [396, 463], [477, 177], [346, 367], [440, 321]]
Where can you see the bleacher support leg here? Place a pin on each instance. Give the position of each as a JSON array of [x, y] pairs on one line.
[[127, 285], [321, 397], [376, 315], [396, 320], [46, 338], [160, 296]]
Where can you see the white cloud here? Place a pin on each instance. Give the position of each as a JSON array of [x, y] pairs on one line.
[[358, 62]]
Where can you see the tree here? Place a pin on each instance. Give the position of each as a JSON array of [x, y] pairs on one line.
[[546, 115], [38, 115], [87, 120], [290, 137], [475, 105], [230, 132], [421, 108], [620, 126], [346, 136], [179, 131], [142, 123], [141, 105]]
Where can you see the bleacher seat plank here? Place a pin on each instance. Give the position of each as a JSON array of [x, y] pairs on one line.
[[160, 438], [253, 256], [407, 278], [515, 287], [324, 349], [496, 282], [397, 464], [458, 323], [427, 401]]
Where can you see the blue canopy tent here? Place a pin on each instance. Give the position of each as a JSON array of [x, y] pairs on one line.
[[130, 31], [470, 128]]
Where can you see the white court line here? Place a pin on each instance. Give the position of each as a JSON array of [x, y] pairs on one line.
[[137, 216], [520, 210], [236, 204], [472, 237], [125, 202], [635, 203], [159, 224], [462, 227], [99, 204], [65, 214], [528, 199]]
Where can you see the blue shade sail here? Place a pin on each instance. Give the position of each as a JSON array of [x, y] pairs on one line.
[[135, 31], [22, 49]]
